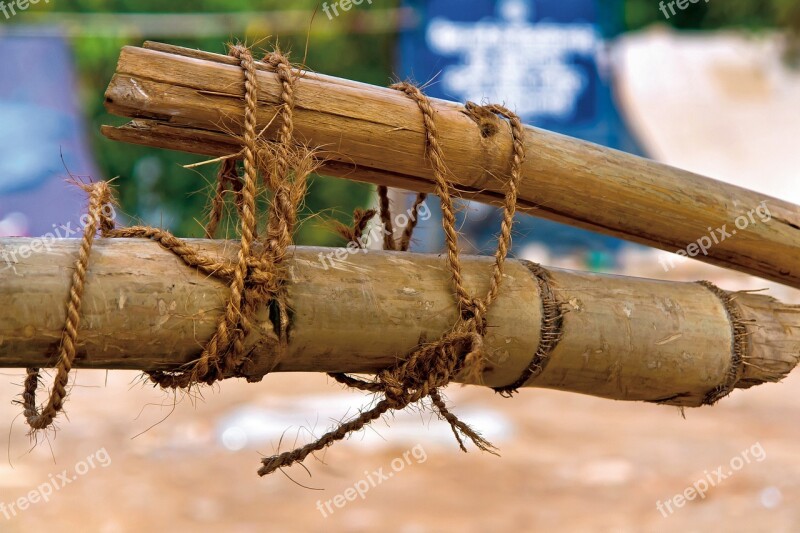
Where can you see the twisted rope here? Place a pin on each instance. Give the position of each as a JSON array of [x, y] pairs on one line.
[[430, 366], [38, 419], [258, 275], [254, 278]]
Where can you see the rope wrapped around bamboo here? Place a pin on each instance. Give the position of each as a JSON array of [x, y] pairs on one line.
[[257, 277]]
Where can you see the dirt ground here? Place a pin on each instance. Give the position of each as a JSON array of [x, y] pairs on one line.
[[568, 462]]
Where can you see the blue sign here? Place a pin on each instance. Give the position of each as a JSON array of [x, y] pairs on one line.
[[544, 59], [546, 69]]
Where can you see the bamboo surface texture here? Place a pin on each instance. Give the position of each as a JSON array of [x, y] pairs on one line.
[[193, 101], [615, 337]]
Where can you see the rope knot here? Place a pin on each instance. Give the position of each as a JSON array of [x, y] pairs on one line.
[[474, 315], [238, 51], [259, 274], [394, 389], [434, 365]]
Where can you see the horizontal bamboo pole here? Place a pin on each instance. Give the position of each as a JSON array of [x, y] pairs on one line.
[[192, 101], [609, 336]]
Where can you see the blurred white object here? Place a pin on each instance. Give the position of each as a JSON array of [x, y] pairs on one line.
[[259, 426], [14, 225], [722, 104], [771, 497]]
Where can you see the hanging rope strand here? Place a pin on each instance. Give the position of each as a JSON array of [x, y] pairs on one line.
[[431, 366], [99, 197]]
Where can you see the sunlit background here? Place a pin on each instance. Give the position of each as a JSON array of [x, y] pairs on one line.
[[713, 88]]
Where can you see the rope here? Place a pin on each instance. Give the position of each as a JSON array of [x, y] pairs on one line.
[[258, 276], [38, 419], [254, 279], [739, 349], [431, 366]]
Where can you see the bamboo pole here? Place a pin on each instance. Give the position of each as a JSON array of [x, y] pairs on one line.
[[192, 101], [614, 337]]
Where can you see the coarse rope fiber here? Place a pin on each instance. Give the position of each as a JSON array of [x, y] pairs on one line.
[[258, 276]]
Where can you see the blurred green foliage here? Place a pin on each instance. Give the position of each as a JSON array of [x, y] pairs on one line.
[[712, 14], [154, 187]]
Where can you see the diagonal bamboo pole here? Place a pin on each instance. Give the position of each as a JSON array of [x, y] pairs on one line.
[[191, 101], [608, 336]]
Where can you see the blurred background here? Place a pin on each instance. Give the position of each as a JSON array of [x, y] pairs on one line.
[[713, 88]]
